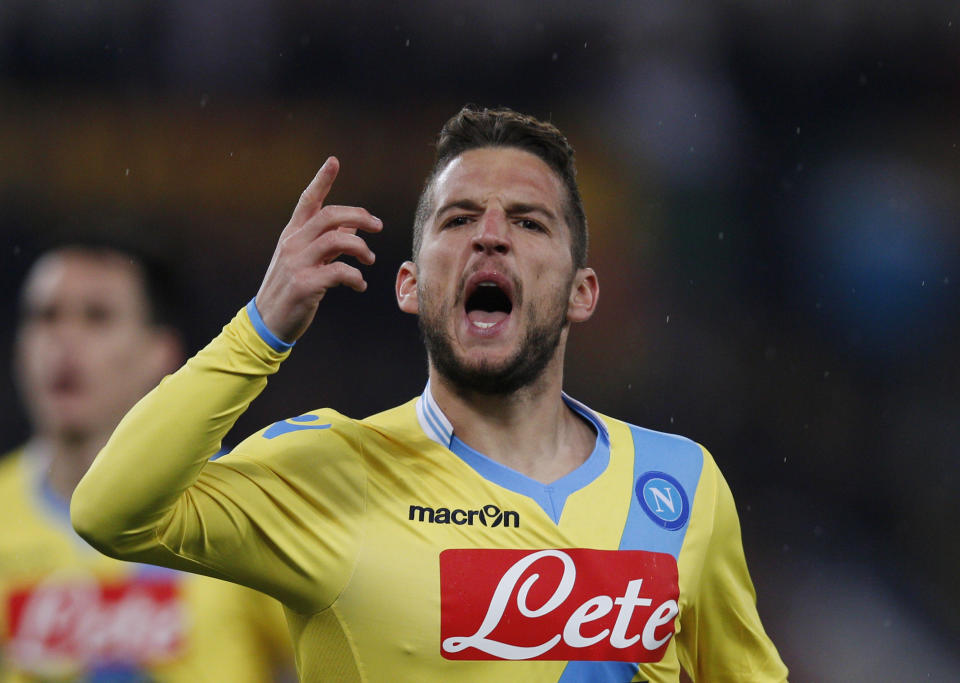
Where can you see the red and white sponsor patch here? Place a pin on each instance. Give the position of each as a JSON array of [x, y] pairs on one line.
[[572, 604], [86, 621]]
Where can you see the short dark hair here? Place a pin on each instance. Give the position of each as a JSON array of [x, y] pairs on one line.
[[162, 295], [474, 128]]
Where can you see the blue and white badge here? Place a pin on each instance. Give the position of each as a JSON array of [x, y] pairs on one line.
[[663, 499]]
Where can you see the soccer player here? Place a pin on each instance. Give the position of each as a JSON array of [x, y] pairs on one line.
[[92, 339], [491, 529]]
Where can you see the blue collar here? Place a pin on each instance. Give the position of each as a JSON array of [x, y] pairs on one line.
[[436, 425], [551, 497]]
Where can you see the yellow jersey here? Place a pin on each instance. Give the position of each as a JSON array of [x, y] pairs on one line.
[[68, 613], [403, 555]]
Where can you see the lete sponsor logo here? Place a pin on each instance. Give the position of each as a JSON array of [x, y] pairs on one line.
[[573, 604], [84, 621]]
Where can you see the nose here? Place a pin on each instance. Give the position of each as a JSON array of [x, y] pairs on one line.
[[492, 234]]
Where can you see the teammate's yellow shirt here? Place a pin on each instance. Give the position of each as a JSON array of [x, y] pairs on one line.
[[403, 555], [68, 613]]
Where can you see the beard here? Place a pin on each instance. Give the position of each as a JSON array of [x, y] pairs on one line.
[[536, 350]]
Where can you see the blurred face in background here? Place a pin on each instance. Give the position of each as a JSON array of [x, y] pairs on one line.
[[86, 348]]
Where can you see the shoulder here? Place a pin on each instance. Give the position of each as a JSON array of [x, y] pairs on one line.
[[322, 428], [11, 459], [307, 426], [294, 443], [312, 456], [323, 431], [311, 425], [656, 446], [664, 462], [395, 416], [399, 424], [12, 471]]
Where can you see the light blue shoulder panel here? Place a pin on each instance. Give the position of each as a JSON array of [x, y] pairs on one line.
[[666, 471]]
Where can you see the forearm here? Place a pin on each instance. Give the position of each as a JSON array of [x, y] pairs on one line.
[[160, 447]]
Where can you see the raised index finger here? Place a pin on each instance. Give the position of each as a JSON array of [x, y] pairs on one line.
[[311, 199]]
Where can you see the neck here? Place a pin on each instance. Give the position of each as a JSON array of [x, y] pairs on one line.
[[70, 458], [531, 430]]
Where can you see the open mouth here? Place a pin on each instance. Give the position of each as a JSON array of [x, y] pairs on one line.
[[488, 305]]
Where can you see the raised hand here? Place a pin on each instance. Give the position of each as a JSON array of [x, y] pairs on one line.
[[304, 265]]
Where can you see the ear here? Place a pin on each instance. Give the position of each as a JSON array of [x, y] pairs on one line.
[[406, 288], [584, 295]]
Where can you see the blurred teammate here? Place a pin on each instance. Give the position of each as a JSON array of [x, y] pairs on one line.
[[492, 529], [92, 339]]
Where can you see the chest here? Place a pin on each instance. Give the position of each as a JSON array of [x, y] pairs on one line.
[[469, 572]]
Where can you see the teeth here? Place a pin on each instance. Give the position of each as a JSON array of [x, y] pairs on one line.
[[483, 326], [487, 284]]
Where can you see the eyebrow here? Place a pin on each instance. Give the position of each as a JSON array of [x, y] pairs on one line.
[[511, 209]]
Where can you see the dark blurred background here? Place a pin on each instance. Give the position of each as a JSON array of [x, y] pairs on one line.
[[772, 193]]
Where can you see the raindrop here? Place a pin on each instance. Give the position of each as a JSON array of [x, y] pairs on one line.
[[554, 57], [407, 43], [668, 318], [126, 172], [798, 130], [720, 236], [204, 99]]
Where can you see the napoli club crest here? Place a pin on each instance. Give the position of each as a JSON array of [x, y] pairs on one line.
[[663, 499]]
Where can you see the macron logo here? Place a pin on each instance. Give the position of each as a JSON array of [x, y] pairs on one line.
[[294, 424], [488, 515]]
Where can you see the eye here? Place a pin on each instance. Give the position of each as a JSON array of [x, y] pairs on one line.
[[456, 221], [41, 314], [530, 224], [98, 315]]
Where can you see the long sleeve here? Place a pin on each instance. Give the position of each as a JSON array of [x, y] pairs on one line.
[[257, 516], [721, 637]]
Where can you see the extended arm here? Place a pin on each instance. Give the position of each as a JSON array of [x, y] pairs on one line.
[[151, 494]]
